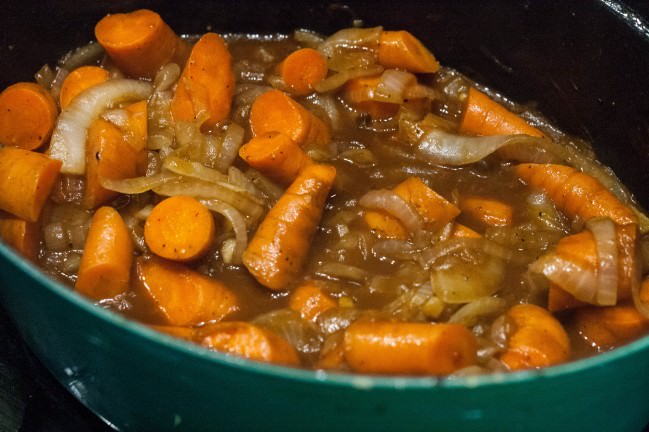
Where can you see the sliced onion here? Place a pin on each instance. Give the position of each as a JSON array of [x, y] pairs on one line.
[[392, 86], [82, 56], [603, 230], [394, 205], [240, 199], [392, 248], [308, 38], [429, 256], [339, 79], [571, 277], [264, 184], [336, 270], [470, 313], [351, 38], [197, 170], [442, 148], [463, 282], [68, 143], [57, 82], [44, 76], [137, 185], [166, 77], [237, 223], [232, 140], [289, 324]]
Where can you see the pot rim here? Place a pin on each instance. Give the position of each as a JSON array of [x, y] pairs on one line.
[[320, 377]]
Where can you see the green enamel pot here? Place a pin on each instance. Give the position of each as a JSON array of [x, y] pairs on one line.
[[586, 65]]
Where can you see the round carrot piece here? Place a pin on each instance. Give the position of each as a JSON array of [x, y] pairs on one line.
[[250, 341], [408, 348], [400, 49], [139, 42], [27, 115], [81, 79], [537, 339], [275, 111], [26, 181], [105, 267], [276, 156], [302, 69], [179, 228], [358, 92]]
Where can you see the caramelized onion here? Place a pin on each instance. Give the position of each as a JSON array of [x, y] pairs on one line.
[[603, 230], [335, 81], [68, 143], [393, 85], [580, 282], [197, 170], [238, 224], [394, 205], [442, 148], [351, 38], [137, 185], [471, 313]]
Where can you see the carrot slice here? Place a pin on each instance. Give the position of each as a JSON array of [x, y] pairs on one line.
[[276, 156], [605, 328], [575, 193], [106, 262], [109, 156], [140, 42], [252, 342], [27, 115], [279, 248], [487, 210], [206, 85], [275, 111], [408, 348], [310, 301], [21, 235], [181, 296], [358, 93], [435, 210], [400, 49], [26, 181], [462, 231], [484, 116], [179, 228], [302, 69], [537, 339], [80, 79]]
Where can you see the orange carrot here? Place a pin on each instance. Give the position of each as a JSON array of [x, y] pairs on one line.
[[333, 358], [537, 339], [644, 290], [26, 181], [179, 228], [181, 296], [358, 93], [275, 111], [81, 79], [276, 156], [310, 301], [435, 210], [581, 250], [302, 69], [252, 342], [136, 132], [462, 231], [27, 115], [107, 256], [23, 236], [575, 193], [605, 328], [109, 156], [279, 248], [206, 85], [484, 116], [140, 42], [487, 210], [401, 50], [408, 348]]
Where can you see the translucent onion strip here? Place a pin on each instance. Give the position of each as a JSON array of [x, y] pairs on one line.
[[232, 140], [393, 85], [237, 223], [471, 313], [394, 205], [442, 148], [68, 143], [580, 282], [351, 38], [603, 230], [137, 185], [197, 170], [339, 79]]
